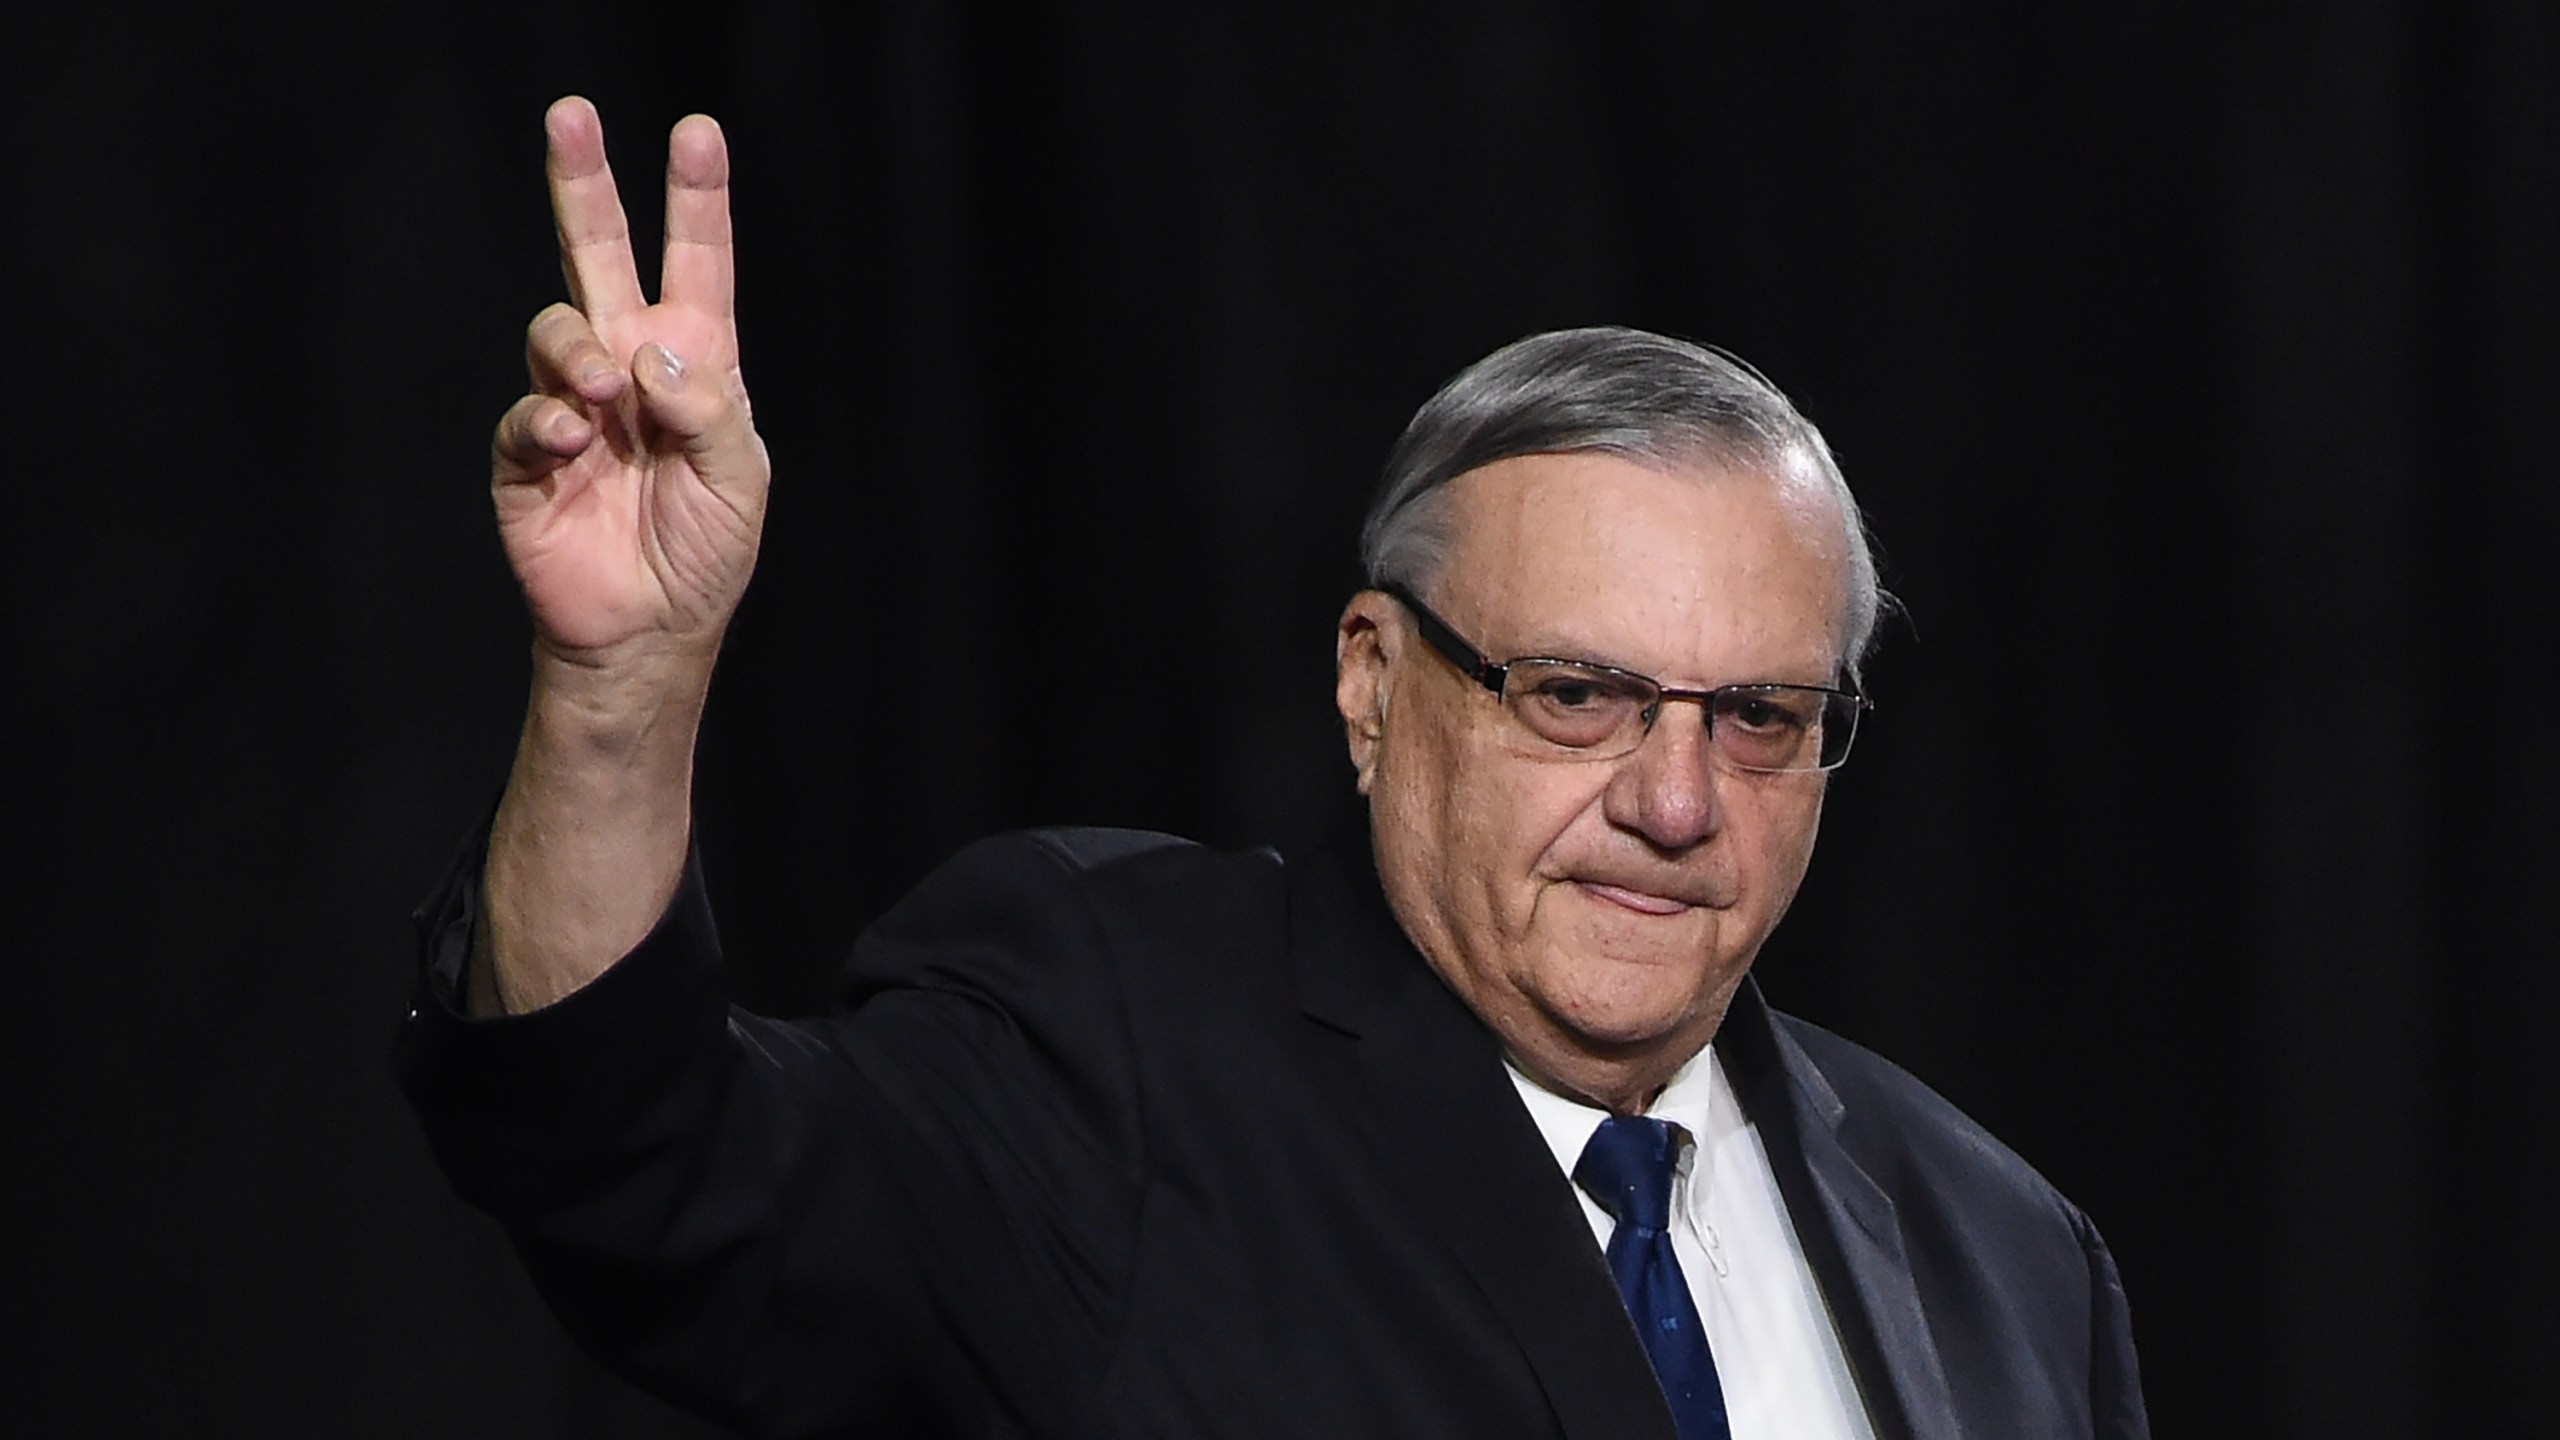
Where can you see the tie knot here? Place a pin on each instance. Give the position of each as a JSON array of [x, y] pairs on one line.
[[1626, 1168]]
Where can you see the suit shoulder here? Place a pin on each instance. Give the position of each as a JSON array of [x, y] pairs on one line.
[[1071, 921], [1103, 864], [1864, 1079], [1063, 881], [1095, 850], [1886, 1112]]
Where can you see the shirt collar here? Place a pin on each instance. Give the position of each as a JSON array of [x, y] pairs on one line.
[[1694, 1100]]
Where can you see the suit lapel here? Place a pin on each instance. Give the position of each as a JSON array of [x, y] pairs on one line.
[[1427, 1080], [1847, 1223]]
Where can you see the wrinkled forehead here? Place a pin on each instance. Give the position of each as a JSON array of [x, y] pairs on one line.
[[1694, 571]]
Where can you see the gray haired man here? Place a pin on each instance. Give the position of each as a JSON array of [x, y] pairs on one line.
[[1474, 1125]]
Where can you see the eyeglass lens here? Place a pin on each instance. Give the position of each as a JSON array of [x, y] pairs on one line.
[[1608, 712]]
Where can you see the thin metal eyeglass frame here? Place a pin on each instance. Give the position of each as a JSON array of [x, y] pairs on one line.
[[1482, 669]]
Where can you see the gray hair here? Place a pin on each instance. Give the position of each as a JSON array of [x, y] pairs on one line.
[[1629, 393]]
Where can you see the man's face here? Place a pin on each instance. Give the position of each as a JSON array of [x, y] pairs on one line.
[[1597, 914]]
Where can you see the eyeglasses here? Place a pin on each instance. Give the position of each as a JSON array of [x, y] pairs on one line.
[[1600, 712]]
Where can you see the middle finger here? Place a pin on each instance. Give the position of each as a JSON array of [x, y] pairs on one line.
[[595, 237]]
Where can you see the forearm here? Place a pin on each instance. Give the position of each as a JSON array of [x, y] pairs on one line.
[[589, 841]]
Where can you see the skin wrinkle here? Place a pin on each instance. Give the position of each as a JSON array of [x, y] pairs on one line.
[[1510, 866]]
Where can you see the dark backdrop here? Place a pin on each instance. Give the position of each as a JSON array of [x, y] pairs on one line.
[[2195, 362]]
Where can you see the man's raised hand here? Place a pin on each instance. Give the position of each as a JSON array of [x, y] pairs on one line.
[[630, 489], [630, 484]]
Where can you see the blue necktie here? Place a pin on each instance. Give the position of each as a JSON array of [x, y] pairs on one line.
[[1627, 1169]]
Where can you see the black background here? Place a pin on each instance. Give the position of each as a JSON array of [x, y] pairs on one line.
[[2195, 363]]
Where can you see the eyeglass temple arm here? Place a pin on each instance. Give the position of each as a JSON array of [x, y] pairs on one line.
[[1436, 633]]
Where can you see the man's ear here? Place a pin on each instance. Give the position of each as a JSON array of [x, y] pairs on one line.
[[1364, 647]]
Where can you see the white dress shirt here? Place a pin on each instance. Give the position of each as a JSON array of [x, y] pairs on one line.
[[1777, 1351]]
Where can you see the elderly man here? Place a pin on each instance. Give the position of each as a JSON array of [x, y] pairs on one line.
[[1477, 1128]]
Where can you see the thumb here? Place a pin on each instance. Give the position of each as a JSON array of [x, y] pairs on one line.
[[706, 418]]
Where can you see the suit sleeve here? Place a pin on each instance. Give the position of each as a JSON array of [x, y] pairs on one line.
[[2116, 1410], [914, 1209]]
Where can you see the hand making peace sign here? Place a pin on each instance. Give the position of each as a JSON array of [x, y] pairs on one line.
[[630, 484]]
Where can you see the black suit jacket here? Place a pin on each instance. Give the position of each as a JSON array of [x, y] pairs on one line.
[[1117, 1136]]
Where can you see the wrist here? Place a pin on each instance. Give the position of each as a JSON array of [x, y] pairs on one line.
[[635, 700]]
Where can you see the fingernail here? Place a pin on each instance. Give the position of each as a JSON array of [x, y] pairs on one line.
[[670, 369]]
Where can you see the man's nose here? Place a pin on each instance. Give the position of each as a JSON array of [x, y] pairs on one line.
[[1666, 790]]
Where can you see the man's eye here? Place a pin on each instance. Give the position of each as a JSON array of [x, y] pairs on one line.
[[1575, 708], [1764, 713], [1573, 694]]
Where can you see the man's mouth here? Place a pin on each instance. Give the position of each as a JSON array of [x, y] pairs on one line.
[[1641, 901]]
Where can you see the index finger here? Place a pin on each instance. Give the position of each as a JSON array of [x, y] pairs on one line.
[[700, 268], [595, 239]]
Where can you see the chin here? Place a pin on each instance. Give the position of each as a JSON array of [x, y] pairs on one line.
[[1633, 1005]]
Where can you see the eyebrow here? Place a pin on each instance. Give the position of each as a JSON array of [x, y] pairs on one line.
[[1578, 653], [1592, 655]]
